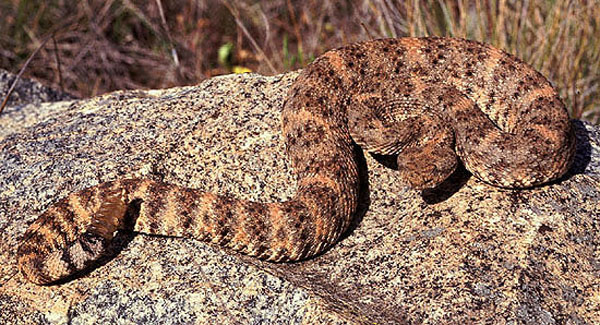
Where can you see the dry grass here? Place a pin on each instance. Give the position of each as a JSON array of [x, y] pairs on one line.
[[107, 45]]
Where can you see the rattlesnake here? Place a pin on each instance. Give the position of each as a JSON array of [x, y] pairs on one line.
[[430, 101]]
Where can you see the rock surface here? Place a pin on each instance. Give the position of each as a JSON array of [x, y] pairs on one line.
[[29, 103], [464, 253]]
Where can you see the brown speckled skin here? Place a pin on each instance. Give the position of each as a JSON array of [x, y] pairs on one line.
[[431, 101]]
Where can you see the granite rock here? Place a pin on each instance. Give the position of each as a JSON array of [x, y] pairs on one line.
[[463, 253], [29, 102]]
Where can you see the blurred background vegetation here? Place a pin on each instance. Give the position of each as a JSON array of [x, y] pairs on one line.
[[104, 45]]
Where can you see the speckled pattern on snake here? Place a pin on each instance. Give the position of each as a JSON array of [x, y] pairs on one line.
[[430, 101]]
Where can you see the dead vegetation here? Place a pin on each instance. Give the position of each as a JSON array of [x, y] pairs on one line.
[[107, 45]]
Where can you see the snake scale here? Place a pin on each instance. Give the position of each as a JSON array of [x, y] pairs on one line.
[[431, 101]]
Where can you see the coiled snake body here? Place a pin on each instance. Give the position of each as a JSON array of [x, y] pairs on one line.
[[430, 101]]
